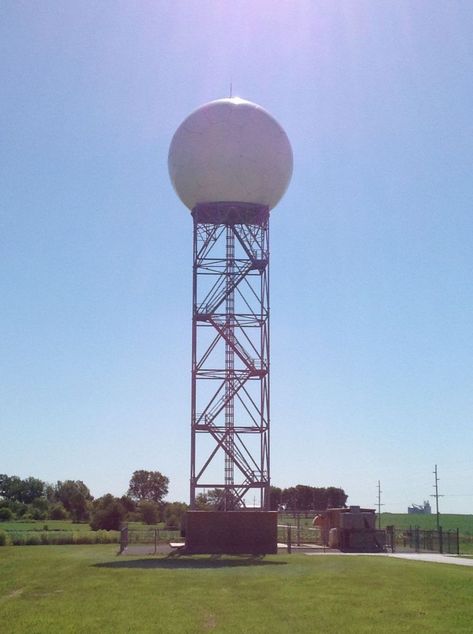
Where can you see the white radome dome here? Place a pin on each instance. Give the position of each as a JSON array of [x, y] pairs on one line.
[[230, 150]]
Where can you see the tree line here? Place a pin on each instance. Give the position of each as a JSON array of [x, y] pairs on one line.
[[31, 498], [298, 498], [306, 498]]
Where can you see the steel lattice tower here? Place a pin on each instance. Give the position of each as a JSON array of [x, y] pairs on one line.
[[230, 354]]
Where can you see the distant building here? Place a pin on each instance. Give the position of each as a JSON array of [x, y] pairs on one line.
[[420, 509]]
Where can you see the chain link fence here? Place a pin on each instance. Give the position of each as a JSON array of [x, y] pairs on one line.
[[147, 540], [420, 540]]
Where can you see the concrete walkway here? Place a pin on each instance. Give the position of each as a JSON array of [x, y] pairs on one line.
[[435, 558]]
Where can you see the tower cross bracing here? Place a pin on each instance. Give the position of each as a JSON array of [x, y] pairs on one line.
[[230, 355]]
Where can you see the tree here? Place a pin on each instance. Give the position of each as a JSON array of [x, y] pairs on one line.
[[149, 512], [128, 504], [148, 485], [202, 502], [31, 489], [107, 513], [304, 498], [218, 500], [336, 498], [5, 514], [275, 498], [289, 498], [75, 497], [3, 485], [104, 501], [25, 491], [173, 514], [10, 487]]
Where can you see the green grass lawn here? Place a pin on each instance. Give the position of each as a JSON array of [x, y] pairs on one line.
[[59, 589]]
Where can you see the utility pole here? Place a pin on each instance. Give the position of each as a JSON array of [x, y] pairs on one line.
[[437, 496], [379, 504]]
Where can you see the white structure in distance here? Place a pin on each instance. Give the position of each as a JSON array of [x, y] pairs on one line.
[[230, 150]]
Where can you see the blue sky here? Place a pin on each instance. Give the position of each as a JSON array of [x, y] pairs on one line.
[[371, 256]]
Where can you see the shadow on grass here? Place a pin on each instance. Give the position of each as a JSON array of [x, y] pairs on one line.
[[176, 562]]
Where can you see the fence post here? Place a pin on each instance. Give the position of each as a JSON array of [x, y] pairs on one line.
[[155, 541], [123, 539], [289, 539], [458, 541], [416, 539], [440, 540], [390, 533], [298, 529]]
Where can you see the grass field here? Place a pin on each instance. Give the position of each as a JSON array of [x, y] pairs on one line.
[[52, 532], [448, 522], [16, 526], [39, 525], [403, 520], [58, 532], [89, 589]]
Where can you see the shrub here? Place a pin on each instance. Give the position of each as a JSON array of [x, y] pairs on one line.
[[57, 512], [5, 514], [54, 538], [58, 538], [33, 539], [17, 539], [41, 504], [37, 514], [107, 537], [108, 518], [97, 537], [61, 538], [84, 538], [19, 509]]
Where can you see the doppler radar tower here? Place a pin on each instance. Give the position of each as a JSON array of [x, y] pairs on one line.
[[230, 163]]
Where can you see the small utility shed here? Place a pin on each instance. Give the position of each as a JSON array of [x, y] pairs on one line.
[[352, 529]]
